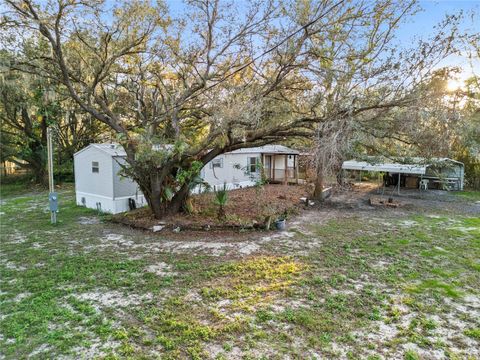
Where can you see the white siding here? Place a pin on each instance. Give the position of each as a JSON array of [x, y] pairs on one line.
[[94, 201], [108, 205], [104, 190], [121, 204], [233, 171], [122, 186], [235, 177], [86, 181]]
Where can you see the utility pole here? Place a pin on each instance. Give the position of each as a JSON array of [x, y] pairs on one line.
[[52, 196]]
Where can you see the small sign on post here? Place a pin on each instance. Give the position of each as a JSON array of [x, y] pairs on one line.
[[53, 202]]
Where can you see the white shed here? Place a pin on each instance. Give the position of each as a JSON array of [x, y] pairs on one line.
[[98, 184]]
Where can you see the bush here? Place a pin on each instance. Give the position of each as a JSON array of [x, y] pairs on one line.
[[23, 178], [221, 198], [64, 172]]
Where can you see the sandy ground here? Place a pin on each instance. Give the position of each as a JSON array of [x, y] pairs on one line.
[[161, 253]]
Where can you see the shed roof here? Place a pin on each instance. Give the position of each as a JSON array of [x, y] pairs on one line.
[[111, 149]]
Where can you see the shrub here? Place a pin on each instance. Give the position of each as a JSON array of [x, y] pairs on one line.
[[221, 198]]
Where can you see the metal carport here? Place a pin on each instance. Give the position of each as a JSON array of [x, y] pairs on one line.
[[422, 167]]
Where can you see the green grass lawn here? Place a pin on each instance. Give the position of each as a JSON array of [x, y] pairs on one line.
[[350, 284], [471, 195]]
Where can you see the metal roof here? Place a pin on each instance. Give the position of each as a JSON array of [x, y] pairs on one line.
[[266, 149], [114, 149], [432, 161], [418, 166], [110, 148], [391, 167]]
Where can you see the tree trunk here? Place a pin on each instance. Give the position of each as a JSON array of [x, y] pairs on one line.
[[37, 162], [221, 213], [161, 207], [156, 206], [178, 202], [153, 180], [40, 173], [154, 197], [319, 181]]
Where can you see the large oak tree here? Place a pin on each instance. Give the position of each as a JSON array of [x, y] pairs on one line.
[[178, 92]]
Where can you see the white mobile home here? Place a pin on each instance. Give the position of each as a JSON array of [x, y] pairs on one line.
[[98, 184], [243, 167]]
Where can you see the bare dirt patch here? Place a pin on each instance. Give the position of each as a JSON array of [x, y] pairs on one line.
[[104, 298], [160, 269], [88, 220], [246, 208]]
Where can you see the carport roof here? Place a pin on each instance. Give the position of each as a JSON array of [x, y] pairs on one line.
[[385, 167]]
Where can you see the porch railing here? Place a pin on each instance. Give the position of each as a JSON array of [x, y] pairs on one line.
[[279, 174]]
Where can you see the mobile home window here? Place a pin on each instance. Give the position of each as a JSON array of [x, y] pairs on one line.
[[95, 167], [216, 163], [252, 164]]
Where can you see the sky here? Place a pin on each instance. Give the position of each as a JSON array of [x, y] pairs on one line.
[[433, 11]]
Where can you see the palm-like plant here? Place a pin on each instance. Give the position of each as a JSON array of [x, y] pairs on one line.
[[221, 198], [196, 182]]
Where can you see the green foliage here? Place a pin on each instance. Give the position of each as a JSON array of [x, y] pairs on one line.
[[189, 174], [167, 193], [221, 195], [258, 176], [470, 195], [473, 333], [29, 104], [411, 355], [221, 198], [64, 172]]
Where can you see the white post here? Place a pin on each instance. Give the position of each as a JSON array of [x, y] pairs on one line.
[[51, 188], [399, 183]]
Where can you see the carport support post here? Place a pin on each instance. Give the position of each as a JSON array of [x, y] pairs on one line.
[[295, 167], [273, 163], [399, 183]]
